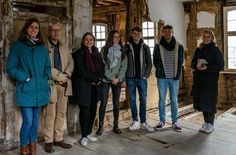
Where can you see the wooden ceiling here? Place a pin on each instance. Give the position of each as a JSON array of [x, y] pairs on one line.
[[108, 6]]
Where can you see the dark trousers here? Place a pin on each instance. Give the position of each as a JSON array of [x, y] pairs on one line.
[[116, 89], [209, 117], [88, 113]]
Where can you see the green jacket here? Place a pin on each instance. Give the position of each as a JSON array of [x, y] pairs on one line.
[[26, 60]]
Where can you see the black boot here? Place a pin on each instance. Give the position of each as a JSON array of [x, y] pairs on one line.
[[116, 128], [100, 129]]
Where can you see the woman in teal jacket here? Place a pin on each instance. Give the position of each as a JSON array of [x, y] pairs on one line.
[[29, 64]]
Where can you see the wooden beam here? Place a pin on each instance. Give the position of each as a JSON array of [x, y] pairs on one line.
[[107, 9], [115, 1], [103, 3]]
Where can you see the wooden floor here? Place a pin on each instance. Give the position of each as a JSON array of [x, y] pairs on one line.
[[167, 142]]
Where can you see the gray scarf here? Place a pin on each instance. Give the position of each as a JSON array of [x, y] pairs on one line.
[[114, 55]]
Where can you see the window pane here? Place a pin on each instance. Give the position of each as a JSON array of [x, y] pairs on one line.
[[103, 28], [151, 50], [232, 52], [93, 29], [145, 41], [232, 15], [103, 43], [151, 43], [99, 44], [145, 25], [150, 24], [151, 32], [100, 36], [103, 35], [145, 33], [97, 28], [232, 25]]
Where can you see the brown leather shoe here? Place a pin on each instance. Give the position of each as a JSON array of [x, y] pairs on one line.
[[24, 150], [48, 147], [32, 149], [63, 144]]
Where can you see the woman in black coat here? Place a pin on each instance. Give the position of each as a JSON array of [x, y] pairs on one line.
[[207, 63], [87, 83]]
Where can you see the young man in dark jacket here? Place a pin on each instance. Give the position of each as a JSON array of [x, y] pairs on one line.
[[168, 58], [138, 70]]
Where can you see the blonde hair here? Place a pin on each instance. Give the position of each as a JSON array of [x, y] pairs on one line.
[[211, 33]]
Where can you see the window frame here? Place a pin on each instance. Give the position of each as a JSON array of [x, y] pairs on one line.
[[227, 33], [95, 34], [155, 36]]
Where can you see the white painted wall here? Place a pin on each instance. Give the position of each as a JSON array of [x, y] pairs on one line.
[[172, 12]]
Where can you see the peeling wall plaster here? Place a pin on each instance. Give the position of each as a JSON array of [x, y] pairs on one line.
[[205, 19]]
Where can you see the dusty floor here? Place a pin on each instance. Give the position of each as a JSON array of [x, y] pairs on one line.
[[166, 142]]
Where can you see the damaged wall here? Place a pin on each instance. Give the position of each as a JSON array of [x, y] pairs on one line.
[[201, 15], [13, 15], [189, 20]]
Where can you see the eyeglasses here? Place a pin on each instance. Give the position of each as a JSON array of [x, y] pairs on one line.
[[55, 30]]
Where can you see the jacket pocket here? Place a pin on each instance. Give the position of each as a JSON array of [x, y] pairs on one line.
[[28, 86]]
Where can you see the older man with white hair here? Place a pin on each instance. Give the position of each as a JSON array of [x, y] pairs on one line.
[[62, 68]]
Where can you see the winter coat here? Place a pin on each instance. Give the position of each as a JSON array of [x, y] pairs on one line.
[[82, 80], [67, 67], [26, 60], [145, 60], [205, 83]]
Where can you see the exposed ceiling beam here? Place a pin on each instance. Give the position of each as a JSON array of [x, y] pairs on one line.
[[115, 1], [108, 9], [101, 2]]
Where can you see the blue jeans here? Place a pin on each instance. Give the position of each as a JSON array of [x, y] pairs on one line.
[[28, 131], [141, 85], [116, 89], [173, 86]]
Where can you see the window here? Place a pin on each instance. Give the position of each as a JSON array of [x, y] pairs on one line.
[[230, 37], [149, 34], [99, 31]]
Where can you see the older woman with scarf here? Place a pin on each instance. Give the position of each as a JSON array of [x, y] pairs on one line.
[[115, 67], [207, 63], [87, 84]]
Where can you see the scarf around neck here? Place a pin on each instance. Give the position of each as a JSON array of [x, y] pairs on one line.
[[114, 54], [92, 60], [169, 46]]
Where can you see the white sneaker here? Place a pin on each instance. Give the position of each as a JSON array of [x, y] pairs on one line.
[[209, 128], [203, 127], [84, 141], [134, 125], [92, 138], [145, 126]]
